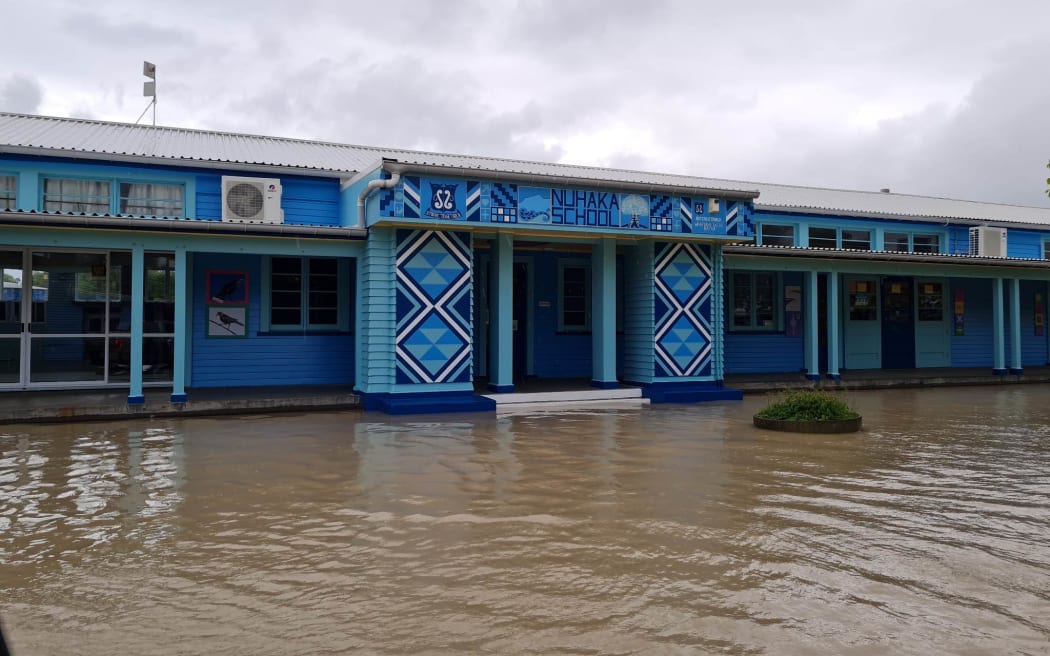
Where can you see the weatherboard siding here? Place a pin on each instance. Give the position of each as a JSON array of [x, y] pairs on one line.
[[305, 201], [257, 360]]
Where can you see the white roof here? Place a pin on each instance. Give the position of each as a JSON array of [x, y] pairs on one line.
[[105, 140]]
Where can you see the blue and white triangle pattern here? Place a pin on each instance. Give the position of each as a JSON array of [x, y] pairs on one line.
[[433, 271], [683, 321]]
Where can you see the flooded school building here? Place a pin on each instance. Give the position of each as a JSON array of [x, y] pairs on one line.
[[139, 257]]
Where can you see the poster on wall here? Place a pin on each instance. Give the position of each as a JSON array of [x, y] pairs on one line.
[[227, 321], [227, 288], [793, 311], [960, 311]]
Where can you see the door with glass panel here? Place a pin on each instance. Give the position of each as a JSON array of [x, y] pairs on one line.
[[13, 327], [79, 302]]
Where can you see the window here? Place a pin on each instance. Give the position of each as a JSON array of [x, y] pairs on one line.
[[91, 285], [574, 282], [754, 297], [309, 293], [858, 240], [1046, 250], [931, 301], [926, 244], [777, 235], [7, 192], [62, 195], [151, 199], [863, 300], [96, 197], [823, 238], [896, 242]]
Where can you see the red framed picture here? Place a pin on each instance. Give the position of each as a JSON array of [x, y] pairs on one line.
[[227, 288]]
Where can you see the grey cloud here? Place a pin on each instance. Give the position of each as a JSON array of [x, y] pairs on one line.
[[98, 30], [21, 95], [994, 147]]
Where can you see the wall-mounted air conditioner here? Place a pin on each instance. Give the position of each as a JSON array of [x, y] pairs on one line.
[[988, 242], [251, 200]]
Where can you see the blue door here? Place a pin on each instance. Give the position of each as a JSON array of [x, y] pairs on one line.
[[861, 346], [932, 326], [898, 324]]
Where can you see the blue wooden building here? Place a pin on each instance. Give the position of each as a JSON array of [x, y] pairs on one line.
[[138, 257]]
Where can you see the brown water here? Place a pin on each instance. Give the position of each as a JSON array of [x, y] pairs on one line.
[[675, 529]]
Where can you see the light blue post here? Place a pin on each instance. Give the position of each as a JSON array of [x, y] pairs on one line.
[[998, 343], [834, 320], [138, 261], [501, 305], [182, 328], [1016, 368], [603, 314], [811, 332]]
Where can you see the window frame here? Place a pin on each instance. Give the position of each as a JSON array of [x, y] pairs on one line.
[[114, 183], [832, 229], [345, 300], [585, 265], [790, 226], [13, 205], [778, 307]]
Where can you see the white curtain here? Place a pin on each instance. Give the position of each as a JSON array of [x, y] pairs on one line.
[[7, 192], [91, 196], [151, 199]]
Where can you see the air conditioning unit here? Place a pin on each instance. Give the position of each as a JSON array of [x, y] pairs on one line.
[[251, 200], [988, 242]]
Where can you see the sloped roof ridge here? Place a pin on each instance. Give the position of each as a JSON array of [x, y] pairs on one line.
[[884, 194]]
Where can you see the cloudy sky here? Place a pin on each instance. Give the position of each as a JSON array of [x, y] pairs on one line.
[[938, 97]]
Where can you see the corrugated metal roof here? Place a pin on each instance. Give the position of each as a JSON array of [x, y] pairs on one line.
[[86, 138], [892, 205]]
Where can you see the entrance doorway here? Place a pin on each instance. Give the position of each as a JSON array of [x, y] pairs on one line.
[[898, 323], [521, 321]]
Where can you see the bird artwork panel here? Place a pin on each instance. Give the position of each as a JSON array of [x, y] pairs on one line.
[[227, 288], [227, 321]]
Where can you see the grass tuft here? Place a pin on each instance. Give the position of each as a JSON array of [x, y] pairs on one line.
[[808, 405]]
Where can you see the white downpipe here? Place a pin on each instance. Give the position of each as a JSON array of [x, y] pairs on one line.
[[367, 191]]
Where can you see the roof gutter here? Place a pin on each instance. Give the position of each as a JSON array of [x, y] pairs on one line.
[[111, 222], [567, 181]]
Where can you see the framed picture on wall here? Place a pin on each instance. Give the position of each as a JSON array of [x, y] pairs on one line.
[[227, 288], [227, 321]]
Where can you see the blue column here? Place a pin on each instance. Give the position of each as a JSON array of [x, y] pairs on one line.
[[603, 314], [138, 259], [834, 321], [182, 327], [501, 305], [810, 329], [1016, 368], [998, 343]]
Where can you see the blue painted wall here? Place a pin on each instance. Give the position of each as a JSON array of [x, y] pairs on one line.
[[312, 201], [974, 348], [759, 352], [295, 359]]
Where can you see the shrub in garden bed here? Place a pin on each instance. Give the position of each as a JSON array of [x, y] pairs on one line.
[[808, 405]]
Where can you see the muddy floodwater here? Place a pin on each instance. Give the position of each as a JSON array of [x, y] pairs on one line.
[[664, 530]]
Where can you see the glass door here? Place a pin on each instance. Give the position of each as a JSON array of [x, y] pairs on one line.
[[12, 326], [71, 313]]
